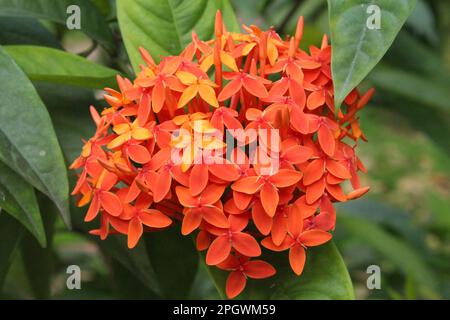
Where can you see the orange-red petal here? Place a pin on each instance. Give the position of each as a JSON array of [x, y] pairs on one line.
[[218, 251], [236, 282]]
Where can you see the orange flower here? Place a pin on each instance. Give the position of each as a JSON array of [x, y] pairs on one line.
[[253, 84], [202, 207], [164, 151], [125, 131], [241, 268], [139, 215], [231, 237], [102, 198], [297, 241], [204, 87], [267, 186]]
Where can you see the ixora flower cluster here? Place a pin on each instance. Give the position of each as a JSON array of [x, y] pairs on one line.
[[253, 158]]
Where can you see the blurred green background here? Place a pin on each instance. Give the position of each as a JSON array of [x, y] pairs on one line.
[[402, 225]]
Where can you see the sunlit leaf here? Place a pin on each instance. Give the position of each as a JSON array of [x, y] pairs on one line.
[[51, 65], [164, 27]]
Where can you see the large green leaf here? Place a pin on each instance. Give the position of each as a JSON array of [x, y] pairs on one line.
[[25, 31], [17, 197], [69, 109], [28, 143], [92, 21], [164, 27], [51, 65], [356, 48], [11, 233], [325, 277]]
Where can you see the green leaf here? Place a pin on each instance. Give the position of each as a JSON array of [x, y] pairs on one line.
[[105, 6], [397, 251], [324, 277], [175, 261], [69, 109], [11, 233], [92, 21], [51, 65], [228, 15], [164, 27], [28, 143], [356, 48], [25, 31], [17, 197]]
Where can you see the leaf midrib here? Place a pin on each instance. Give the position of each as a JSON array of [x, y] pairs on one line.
[[177, 32], [353, 62]]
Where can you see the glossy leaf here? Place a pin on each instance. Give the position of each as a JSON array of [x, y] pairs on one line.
[[28, 143], [17, 197], [92, 21], [69, 109], [51, 65], [324, 277], [357, 48], [164, 27]]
